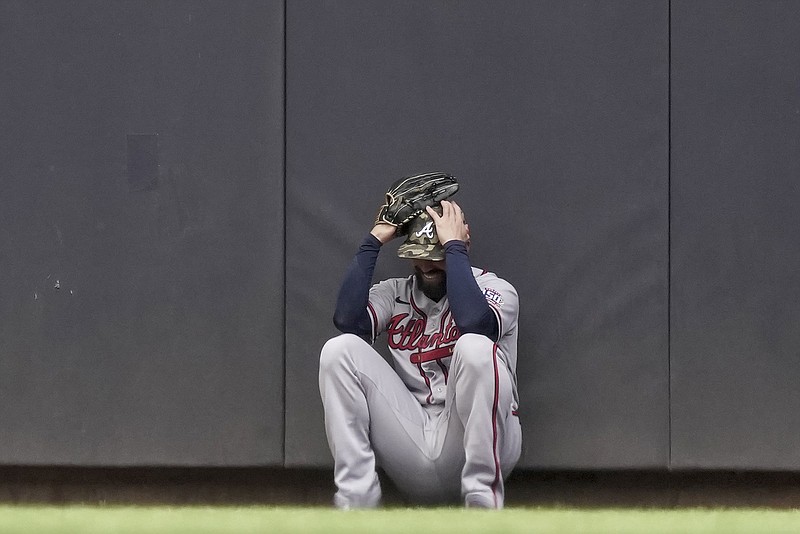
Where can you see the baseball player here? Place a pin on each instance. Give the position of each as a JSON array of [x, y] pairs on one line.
[[442, 420]]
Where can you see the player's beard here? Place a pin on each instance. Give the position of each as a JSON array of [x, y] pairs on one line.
[[434, 285]]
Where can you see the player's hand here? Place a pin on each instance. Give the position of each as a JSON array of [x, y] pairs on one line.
[[384, 232], [450, 224]]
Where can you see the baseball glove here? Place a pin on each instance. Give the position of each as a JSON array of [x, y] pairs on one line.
[[409, 196]]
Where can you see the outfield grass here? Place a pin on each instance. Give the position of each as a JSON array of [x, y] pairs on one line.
[[257, 519]]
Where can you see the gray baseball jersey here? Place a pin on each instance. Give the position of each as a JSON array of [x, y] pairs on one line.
[[421, 333]]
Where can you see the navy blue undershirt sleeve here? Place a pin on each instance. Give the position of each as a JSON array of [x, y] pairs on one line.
[[351, 316], [467, 303]]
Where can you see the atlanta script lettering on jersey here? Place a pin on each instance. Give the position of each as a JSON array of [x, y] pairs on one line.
[[411, 336]]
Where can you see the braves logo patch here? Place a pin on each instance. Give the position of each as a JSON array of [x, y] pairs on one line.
[[426, 230], [494, 297]]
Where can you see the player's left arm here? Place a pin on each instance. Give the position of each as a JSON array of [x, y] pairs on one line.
[[470, 309]]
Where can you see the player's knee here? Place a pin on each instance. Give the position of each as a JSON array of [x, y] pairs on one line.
[[474, 351], [335, 350], [474, 344]]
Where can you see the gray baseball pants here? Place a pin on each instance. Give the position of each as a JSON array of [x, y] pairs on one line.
[[433, 454]]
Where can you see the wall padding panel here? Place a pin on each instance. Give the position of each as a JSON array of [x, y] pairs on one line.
[[735, 288], [141, 229], [554, 116]]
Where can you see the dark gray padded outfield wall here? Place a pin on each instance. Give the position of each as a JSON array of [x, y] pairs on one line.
[[735, 248], [159, 305], [141, 232], [554, 117]]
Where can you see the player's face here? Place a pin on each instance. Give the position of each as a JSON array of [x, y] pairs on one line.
[[431, 277]]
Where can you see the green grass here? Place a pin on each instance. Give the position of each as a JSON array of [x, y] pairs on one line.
[[199, 519]]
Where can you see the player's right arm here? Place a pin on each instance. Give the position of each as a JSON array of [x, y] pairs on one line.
[[352, 315], [384, 232]]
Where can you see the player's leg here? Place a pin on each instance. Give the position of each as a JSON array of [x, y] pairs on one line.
[[480, 396], [368, 411], [411, 458]]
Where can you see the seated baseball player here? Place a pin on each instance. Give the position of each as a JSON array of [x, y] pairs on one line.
[[442, 420]]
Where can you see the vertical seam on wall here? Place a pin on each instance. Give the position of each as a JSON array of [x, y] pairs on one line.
[[285, 255], [669, 233]]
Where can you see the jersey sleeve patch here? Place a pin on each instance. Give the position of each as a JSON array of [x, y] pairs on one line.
[[494, 297]]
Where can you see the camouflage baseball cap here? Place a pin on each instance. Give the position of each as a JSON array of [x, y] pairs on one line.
[[422, 242]]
